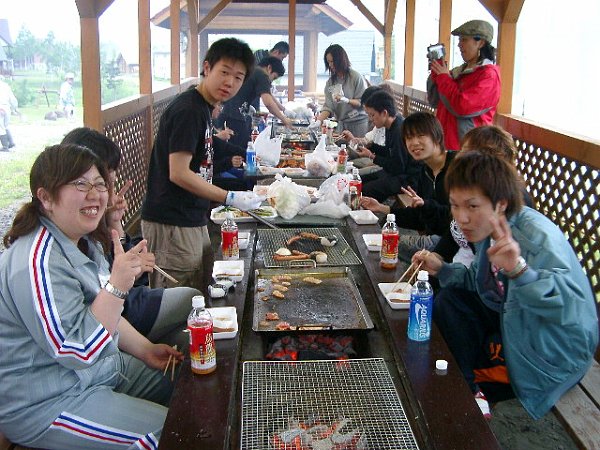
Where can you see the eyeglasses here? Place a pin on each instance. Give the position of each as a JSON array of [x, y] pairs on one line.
[[86, 186]]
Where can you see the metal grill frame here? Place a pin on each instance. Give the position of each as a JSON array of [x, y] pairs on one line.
[[362, 390], [271, 240]]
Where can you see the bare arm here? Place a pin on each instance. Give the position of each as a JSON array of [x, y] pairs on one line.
[[271, 105], [181, 174]]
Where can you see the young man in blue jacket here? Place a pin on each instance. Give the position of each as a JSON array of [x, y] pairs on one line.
[[525, 284]]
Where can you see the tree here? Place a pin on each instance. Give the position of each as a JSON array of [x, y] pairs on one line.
[[25, 48]]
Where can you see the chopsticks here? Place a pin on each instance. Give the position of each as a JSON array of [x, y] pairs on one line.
[[165, 274], [260, 219], [412, 276], [171, 361]]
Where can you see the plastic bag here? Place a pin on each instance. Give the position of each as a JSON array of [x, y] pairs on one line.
[[287, 197], [268, 151], [319, 163], [333, 193]]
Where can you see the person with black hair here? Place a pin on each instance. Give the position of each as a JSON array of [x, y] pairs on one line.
[[399, 169], [159, 314], [237, 112], [342, 93], [467, 96], [280, 51], [179, 186]]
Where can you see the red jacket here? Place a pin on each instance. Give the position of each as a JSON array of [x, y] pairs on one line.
[[464, 100]]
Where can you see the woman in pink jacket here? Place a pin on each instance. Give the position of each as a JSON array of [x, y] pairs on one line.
[[466, 97]]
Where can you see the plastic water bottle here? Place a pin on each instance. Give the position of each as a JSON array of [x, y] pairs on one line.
[[254, 134], [229, 238], [390, 236], [250, 158], [202, 342], [421, 309]]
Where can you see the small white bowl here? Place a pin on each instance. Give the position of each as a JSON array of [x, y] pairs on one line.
[[231, 269], [400, 298], [243, 239], [372, 241], [364, 217]]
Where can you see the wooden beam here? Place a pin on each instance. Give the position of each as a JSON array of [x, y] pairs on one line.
[[212, 14], [144, 49], [504, 10], [191, 60], [445, 23], [311, 60], [507, 38], [175, 42], [390, 15], [92, 9], [409, 39], [369, 15], [90, 73], [292, 54]]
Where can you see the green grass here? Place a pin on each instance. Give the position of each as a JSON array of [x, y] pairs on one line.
[[15, 179]]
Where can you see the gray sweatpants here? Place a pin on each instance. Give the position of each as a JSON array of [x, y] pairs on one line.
[[129, 417]]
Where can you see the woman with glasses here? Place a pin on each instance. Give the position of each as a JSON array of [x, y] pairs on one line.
[[466, 97], [75, 374]]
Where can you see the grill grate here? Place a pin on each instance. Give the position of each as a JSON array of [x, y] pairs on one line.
[[341, 254], [276, 396]]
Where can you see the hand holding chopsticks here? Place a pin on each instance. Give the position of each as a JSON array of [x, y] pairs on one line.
[[171, 361], [415, 267]]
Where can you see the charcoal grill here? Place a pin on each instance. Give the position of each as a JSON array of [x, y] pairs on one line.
[[341, 254], [278, 395]]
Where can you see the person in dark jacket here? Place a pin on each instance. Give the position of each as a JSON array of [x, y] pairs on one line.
[[159, 314], [429, 210], [399, 169]]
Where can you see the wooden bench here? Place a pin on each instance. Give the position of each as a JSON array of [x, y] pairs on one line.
[[579, 410]]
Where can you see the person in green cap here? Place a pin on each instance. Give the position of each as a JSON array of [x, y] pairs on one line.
[[466, 96]]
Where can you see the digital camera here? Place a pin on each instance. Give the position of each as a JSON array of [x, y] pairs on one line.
[[436, 52]]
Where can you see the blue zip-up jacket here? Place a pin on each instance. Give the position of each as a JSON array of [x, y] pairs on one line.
[[549, 322]]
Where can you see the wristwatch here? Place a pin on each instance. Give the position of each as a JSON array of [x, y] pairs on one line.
[[114, 291]]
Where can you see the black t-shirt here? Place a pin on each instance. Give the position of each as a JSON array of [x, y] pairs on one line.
[[184, 126]]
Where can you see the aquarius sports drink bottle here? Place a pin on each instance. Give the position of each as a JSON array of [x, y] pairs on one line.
[[421, 309]]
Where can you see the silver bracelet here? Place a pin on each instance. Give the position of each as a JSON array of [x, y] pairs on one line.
[[518, 270]]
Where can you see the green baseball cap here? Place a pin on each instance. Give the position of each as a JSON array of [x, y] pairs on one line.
[[479, 28]]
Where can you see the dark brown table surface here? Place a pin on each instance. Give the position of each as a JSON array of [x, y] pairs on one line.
[[205, 410]]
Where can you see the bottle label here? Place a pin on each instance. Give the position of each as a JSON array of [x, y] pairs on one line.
[[358, 185], [419, 318], [202, 348], [229, 244], [389, 247]]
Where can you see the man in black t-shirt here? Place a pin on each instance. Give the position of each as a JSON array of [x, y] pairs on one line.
[[257, 85], [180, 189]]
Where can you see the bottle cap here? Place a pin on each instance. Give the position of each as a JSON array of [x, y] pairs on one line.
[[441, 364], [198, 301], [391, 218], [423, 275]]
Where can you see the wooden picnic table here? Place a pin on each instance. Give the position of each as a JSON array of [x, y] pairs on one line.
[[205, 411]]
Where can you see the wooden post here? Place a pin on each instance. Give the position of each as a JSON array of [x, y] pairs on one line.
[[409, 38], [388, 29], [292, 55], [445, 24], [144, 50], [175, 47], [90, 73], [311, 61], [191, 60], [507, 39]]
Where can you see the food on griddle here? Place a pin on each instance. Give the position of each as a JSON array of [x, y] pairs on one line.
[[272, 316], [295, 256], [319, 257], [280, 287], [283, 251], [278, 294], [285, 278], [286, 283], [275, 279], [318, 435], [312, 280], [260, 289], [264, 323], [282, 326], [265, 298], [328, 241], [237, 213]]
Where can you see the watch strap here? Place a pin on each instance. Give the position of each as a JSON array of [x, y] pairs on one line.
[[115, 291]]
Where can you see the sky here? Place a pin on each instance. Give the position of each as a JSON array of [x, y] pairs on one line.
[[555, 78]]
